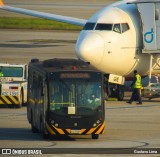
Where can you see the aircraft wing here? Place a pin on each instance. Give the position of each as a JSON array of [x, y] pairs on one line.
[[60, 18]]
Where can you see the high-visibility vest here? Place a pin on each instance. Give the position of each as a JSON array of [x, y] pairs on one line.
[[1, 74], [138, 81]]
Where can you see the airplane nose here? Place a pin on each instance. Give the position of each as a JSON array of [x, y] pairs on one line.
[[90, 47]]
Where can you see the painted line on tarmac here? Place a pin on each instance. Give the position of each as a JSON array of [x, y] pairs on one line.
[[139, 143], [130, 107]]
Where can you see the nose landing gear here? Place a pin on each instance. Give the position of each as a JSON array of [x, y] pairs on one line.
[[114, 90]]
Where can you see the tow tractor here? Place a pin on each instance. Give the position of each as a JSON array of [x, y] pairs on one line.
[[13, 84]]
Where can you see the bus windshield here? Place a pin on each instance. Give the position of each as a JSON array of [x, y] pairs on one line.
[[12, 71], [75, 96]]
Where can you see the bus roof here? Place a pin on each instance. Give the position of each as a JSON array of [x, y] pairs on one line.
[[60, 64]]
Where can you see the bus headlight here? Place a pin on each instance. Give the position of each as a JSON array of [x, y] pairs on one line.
[[98, 121], [75, 124], [56, 125], [94, 125], [52, 122]]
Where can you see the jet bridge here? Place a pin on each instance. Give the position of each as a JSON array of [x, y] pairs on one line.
[[150, 16]]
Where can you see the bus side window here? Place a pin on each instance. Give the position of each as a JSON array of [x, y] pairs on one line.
[[40, 85], [35, 85]]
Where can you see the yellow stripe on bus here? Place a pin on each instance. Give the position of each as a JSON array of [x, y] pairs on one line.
[[92, 130], [31, 101], [82, 130], [14, 100], [60, 131], [49, 129], [100, 129], [6, 100], [68, 130], [1, 102]]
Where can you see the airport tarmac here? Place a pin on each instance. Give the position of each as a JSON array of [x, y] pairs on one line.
[[20, 46], [127, 126]]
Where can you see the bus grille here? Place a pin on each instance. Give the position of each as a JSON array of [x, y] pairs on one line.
[[58, 131]]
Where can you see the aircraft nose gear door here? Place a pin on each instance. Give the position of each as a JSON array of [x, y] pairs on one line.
[[150, 16]]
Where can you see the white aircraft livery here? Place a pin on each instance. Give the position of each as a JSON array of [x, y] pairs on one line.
[[118, 39]]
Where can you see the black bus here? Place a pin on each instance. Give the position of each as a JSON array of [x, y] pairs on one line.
[[65, 97]]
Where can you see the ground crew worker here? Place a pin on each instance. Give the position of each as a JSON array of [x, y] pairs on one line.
[[136, 84], [1, 73]]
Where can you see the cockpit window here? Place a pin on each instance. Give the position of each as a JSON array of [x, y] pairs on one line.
[[117, 28], [103, 26], [125, 27], [89, 26]]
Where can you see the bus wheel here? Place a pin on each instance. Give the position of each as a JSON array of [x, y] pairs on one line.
[[95, 136], [44, 134], [33, 128]]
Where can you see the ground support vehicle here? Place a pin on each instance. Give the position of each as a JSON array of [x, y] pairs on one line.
[[151, 91], [13, 84]]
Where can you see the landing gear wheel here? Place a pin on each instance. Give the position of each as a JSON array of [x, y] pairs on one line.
[[120, 95]]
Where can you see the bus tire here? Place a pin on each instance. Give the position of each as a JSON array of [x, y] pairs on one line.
[[95, 136], [33, 128], [44, 134]]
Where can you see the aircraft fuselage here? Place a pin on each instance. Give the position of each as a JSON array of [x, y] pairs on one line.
[[112, 41]]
